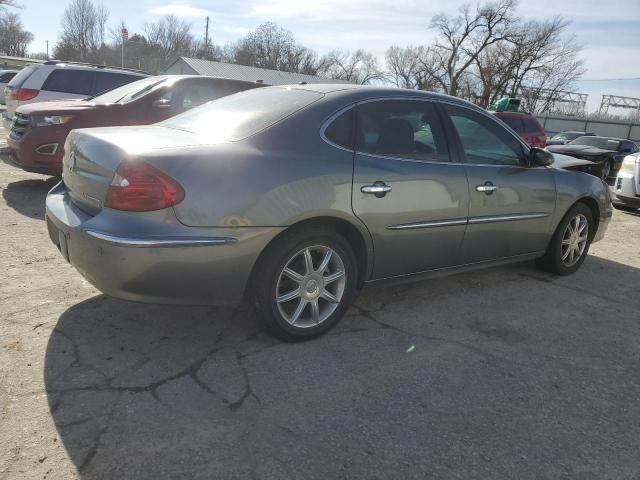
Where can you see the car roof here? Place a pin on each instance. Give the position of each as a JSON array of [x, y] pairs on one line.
[[54, 64], [363, 92]]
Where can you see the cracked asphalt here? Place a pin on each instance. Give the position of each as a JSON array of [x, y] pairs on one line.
[[500, 374]]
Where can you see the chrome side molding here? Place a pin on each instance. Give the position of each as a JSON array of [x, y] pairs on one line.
[[465, 221], [162, 242]]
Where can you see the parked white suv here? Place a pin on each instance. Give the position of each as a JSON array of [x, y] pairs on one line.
[[5, 78], [55, 80]]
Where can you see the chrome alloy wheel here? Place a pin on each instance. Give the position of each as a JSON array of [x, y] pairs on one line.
[[310, 286], [574, 240]]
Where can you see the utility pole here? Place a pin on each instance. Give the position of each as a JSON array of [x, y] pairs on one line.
[[206, 36], [47, 49]]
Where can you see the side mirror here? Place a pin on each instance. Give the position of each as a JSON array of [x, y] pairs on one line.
[[539, 157], [625, 150]]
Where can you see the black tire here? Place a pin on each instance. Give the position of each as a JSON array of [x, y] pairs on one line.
[[265, 281], [552, 260]]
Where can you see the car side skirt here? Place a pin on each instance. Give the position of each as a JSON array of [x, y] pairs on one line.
[[443, 272]]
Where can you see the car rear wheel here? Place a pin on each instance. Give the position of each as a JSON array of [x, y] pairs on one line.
[[304, 284], [570, 243]]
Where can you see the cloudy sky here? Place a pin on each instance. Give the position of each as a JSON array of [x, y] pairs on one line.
[[608, 30]]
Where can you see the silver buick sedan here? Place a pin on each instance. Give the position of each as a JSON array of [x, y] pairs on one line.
[[295, 197]]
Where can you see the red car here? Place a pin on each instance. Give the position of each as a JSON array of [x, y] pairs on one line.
[[525, 125], [39, 130]]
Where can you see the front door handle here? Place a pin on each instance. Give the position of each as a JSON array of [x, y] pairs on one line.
[[488, 188], [379, 189]]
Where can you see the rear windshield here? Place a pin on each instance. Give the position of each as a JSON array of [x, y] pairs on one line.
[[243, 114], [598, 142], [129, 92], [531, 125], [514, 122], [19, 79]]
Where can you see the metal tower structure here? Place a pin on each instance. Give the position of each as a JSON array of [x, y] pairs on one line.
[[619, 102], [555, 101]]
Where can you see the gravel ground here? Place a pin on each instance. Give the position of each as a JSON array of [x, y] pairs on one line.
[[501, 374]]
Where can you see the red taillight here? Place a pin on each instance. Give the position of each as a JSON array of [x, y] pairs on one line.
[[24, 94], [139, 187]]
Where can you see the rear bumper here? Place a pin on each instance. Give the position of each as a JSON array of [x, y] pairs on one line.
[[169, 263]]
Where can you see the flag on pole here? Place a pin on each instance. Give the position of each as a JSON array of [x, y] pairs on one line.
[[125, 34]]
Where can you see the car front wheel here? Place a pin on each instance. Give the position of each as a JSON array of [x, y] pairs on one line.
[[570, 243], [304, 284]]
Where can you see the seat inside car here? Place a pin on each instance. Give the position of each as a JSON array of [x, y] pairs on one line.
[[396, 136]]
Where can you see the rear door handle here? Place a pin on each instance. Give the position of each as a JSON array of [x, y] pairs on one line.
[[488, 188], [379, 189]]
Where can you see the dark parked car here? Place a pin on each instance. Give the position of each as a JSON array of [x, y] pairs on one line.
[[294, 197], [39, 130], [606, 152], [563, 138], [525, 125]]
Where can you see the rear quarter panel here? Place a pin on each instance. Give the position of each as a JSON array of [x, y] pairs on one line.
[[279, 177]]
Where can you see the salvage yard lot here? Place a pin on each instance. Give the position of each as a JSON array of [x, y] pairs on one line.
[[505, 373]]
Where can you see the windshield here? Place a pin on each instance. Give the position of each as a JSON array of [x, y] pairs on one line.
[[127, 93], [238, 116], [598, 142]]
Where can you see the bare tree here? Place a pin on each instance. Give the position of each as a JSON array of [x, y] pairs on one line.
[[411, 67], [170, 37], [537, 60], [463, 38], [359, 67], [271, 46], [83, 27], [14, 39]]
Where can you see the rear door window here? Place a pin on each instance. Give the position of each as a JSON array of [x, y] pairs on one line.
[[401, 128], [74, 81]]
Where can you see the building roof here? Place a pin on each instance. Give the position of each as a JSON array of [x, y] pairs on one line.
[[251, 74], [17, 61]]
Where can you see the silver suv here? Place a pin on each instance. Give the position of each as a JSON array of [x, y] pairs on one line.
[[55, 80]]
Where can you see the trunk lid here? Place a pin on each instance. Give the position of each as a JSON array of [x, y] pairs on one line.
[[92, 156]]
